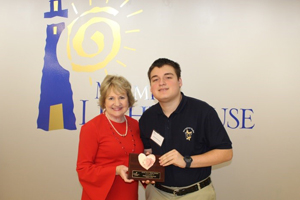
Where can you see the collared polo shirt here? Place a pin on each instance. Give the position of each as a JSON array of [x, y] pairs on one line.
[[192, 129]]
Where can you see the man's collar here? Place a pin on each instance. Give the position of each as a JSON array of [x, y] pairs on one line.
[[183, 100]]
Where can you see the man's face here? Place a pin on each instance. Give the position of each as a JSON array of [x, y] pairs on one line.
[[164, 82]]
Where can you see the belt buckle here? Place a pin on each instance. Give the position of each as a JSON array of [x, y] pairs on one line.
[[198, 184], [175, 192]]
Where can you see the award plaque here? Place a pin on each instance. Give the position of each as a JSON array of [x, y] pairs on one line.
[[142, 167]]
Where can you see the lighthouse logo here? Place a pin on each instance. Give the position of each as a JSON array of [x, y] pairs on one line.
[[56, 106]]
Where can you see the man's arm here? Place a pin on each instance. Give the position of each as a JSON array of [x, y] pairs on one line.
[[210, 158]]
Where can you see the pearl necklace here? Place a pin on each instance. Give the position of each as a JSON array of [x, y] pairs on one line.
[[123, 135]]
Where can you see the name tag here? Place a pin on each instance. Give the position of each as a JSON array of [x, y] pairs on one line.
[[157, 138]]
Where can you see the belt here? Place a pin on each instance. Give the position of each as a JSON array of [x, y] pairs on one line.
[[184, 191]]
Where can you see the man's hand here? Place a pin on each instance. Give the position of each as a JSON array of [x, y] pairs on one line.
[[172, 157], [122, 170]]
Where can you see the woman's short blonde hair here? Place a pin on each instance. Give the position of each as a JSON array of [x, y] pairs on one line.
[[118, 84]]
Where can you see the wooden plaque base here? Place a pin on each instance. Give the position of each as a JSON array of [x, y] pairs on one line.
[[137, 172]]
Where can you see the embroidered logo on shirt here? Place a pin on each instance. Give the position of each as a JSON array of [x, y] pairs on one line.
[[188, 131]]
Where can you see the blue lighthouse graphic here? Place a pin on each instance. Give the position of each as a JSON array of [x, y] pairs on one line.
[[56, 103], [56, 10]]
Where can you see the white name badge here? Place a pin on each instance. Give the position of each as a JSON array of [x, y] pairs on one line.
[[157, 138]]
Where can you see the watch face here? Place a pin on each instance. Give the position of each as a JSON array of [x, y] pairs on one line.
[[188, 159]]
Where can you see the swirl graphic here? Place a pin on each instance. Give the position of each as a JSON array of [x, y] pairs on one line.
[[97, 38]]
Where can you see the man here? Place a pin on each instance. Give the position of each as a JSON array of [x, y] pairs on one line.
[[186, 132]]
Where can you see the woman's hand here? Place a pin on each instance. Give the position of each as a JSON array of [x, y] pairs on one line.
[[122, 170]]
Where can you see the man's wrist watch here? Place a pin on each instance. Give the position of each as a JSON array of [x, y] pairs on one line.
[[188, 160]]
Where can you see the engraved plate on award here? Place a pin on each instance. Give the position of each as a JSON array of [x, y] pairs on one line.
[[142, 167]]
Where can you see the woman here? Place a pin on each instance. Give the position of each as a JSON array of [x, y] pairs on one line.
[[105, 144]]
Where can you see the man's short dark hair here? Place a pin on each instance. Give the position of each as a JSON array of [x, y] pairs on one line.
[[165, 61]]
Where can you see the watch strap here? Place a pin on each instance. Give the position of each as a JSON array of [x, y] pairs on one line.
[[188, 160]]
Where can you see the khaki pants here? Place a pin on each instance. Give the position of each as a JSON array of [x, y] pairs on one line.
[[207, 193]]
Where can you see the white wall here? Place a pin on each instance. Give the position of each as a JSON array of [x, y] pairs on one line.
[[234, 54]]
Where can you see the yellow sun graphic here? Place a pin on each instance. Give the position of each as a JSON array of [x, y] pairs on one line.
[[104, 49]]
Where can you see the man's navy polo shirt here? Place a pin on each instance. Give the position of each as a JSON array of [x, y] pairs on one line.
[[193, 128]]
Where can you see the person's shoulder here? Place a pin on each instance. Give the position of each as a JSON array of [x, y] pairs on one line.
[[199, 105], [94, 121], [199, 102], [131, 120], [150, 112], [132, 123]]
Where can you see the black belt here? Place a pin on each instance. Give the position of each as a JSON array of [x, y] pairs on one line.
[[180, 192]]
